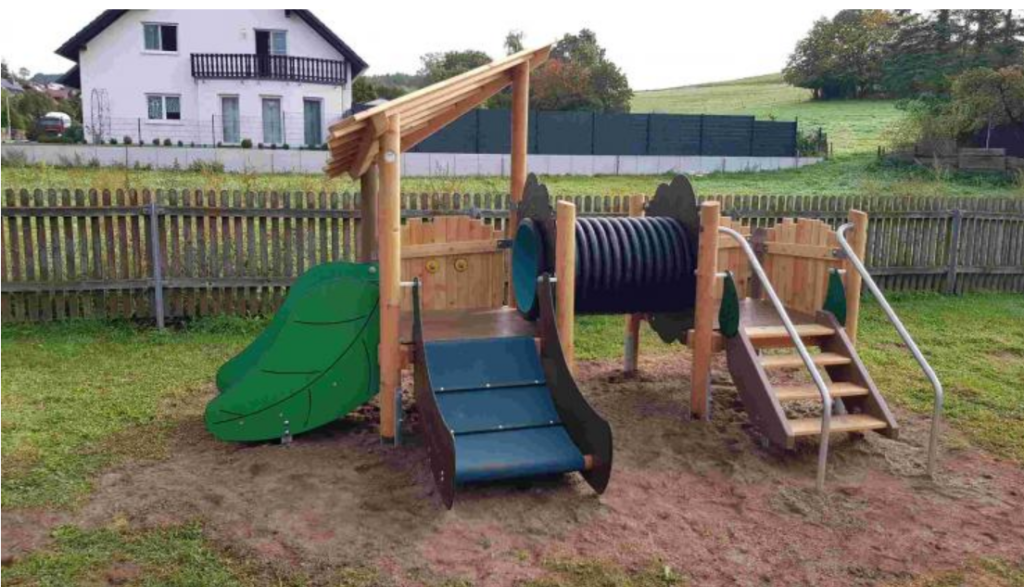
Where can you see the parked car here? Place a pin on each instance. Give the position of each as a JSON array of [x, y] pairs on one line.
[[52, 124]]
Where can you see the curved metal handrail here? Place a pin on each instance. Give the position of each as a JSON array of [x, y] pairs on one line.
[[933, 440], [801, 349]]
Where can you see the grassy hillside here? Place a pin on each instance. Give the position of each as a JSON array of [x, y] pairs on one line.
[[852, 125]]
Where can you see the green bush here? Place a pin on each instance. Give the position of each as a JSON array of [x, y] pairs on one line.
[[167, 142], [127, 140], [246, 143], [206, 167]]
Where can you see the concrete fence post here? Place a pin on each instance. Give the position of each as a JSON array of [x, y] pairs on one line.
[[156, 262]]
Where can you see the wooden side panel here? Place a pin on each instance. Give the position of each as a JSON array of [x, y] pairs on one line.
[[799, 254], [458, 261]]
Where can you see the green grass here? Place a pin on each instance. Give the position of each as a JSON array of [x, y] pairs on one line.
[[176, 556], [594, 573], [81, 396], [844, 175], [976, 345], [852, 125]]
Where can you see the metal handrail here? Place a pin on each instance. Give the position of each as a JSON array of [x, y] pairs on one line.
[[801, 349], [933, 440]]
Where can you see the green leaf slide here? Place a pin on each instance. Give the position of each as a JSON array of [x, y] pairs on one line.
[[314, 363]]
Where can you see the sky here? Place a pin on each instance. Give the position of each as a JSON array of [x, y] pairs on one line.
[[657, 44]]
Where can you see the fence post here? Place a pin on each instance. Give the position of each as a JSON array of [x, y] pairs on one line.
[[138, 121], [157, 254], [954, 251], [213, 130]]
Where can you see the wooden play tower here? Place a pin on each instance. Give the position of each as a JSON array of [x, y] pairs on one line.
[[369, 146]]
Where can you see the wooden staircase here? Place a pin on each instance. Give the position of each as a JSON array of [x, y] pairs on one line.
[[757, 351]]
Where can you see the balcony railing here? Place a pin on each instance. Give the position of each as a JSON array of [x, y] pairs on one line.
[[272, 67]]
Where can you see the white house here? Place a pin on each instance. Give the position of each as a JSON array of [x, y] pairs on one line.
[[211, 76]]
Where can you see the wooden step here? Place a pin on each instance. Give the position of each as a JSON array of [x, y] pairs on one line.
[[794, 360], [777, 335], [791, 393], [845, 423]]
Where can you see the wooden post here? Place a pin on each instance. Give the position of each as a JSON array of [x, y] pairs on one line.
[[520, 126], [520, 138], [389, 161], [565, 285], [704, 322], [631, 357], [368, 186], [853, 278]]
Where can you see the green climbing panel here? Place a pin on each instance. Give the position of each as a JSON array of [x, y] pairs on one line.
[[314, 363]]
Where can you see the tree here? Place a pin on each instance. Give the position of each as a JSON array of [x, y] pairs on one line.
[[842, 57], [363, 90], [513, 42], [5, 72], [438, 67], [984, 96], [579, 76]]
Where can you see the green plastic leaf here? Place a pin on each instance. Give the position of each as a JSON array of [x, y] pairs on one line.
[[835, 298], [316, 362], [729, 311]]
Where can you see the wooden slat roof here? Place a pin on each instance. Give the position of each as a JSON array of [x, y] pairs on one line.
[[354, 140]]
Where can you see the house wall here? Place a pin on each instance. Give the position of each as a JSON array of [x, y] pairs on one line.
[[117, 73]]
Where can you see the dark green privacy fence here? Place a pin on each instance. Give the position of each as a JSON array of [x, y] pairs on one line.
[[591, 133]]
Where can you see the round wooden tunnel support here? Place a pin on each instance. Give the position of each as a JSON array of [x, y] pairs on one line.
[[704, 321], [389, 161], [631, 357]]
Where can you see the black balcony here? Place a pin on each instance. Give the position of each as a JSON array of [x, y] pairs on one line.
[[270, 67]]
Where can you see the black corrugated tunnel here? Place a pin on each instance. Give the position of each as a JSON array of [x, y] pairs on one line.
[[623, 265]]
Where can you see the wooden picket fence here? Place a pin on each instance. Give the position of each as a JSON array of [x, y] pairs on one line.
[[83, 253]]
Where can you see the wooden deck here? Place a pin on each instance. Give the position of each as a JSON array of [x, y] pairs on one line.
[[755, 314], [461, 324]]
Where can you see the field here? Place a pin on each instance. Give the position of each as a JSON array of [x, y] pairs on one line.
[[858, 174], [108, 475], [853, 126]]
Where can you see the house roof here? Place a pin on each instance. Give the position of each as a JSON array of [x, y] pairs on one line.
[[71, 78], [353, 141], [72, 46], [11, 86]]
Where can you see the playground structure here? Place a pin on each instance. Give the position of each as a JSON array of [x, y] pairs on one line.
[[490, 341]]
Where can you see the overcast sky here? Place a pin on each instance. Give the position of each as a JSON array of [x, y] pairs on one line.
[[658, 44]]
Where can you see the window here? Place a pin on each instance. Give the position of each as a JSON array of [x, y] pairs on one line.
[[162, 107], [313, 121], [272, 123], [278, 43], [161, 37], [232, 127]]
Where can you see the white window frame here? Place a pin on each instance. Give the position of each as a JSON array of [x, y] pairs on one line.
[[160, 38], [163, 108], [238, 100], [280, 122]]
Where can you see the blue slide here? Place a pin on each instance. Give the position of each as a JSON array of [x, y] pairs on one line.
[[502, 408]]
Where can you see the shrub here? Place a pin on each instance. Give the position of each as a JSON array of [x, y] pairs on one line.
[[246, 143], [181, 144], [273, 146], [167, 142], [259, 145], [126, 140], [192, 144], [74, 134], [200, 166], [112, 141], [285, 146], [156, 142]]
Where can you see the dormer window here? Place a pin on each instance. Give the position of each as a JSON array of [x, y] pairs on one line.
[[161, 37]]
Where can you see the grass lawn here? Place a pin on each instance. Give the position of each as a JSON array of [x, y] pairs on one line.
[[844, 175], [852, 125], [82, 396]]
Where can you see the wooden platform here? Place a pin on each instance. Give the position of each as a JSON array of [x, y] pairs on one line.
[[460, 324], [756, 314]]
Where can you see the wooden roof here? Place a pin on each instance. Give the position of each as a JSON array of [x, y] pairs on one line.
[[354, 140]]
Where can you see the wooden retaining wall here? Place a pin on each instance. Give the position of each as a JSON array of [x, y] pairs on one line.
[[70, 254]]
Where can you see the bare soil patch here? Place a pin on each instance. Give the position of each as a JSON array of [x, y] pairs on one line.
[[702, 497]]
